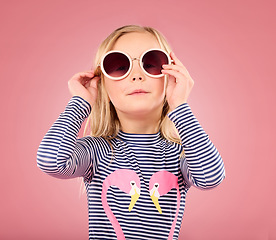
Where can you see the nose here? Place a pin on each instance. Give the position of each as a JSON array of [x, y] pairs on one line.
[[137, 78], [137, 74]]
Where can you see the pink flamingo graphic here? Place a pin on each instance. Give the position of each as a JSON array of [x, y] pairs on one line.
[[160, 184], [127, 181]]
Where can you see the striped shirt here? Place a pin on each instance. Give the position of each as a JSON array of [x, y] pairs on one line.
[[136, 189]]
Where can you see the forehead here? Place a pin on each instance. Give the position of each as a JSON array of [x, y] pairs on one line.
[[136, 43]]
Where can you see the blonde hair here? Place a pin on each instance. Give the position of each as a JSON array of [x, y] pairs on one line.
[[103, 120]]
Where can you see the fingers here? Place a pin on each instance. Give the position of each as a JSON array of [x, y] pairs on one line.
[[177, 69], [177, 66], [87, 73], [174, 68], [94, 81], [84, 84], [85, 78], [174, 73]]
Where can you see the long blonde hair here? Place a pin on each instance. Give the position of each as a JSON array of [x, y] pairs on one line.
[[103, 120]]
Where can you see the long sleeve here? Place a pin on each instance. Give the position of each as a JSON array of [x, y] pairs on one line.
[[203, 165], [60, 153]]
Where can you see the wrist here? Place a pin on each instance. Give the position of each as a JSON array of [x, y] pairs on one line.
[[86, 99], [175, 105], [83, 100]]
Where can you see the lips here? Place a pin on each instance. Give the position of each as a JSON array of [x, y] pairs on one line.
[[138, 91]]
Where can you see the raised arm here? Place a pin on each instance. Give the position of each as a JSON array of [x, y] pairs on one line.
[[203, 165], [60, 153]]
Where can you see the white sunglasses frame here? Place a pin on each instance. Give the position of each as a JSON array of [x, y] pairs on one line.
[[170, 61]]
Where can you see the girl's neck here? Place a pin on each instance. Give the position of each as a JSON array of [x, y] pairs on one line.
[[139, 124]]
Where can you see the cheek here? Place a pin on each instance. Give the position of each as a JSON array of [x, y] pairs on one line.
[[160, 86], [113, 89], [108, 88]]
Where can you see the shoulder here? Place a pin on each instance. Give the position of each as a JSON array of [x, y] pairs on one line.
[[171, 147]]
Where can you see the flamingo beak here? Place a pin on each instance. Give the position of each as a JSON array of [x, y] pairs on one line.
[[156, 202], [134, 198]]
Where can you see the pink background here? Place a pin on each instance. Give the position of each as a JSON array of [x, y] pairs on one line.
[[228, 48]]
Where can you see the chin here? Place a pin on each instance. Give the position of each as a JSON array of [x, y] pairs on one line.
[[143, 109]]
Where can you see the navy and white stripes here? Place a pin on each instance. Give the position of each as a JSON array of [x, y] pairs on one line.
[[62, 155], [205, 167]]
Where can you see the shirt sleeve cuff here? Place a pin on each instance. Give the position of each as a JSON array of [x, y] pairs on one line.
[[180, 111], [79, 106]]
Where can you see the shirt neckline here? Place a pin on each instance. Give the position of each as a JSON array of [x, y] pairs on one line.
[[139, 139]]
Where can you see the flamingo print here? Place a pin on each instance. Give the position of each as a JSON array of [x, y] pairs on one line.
[[128, 181], [160, 184]]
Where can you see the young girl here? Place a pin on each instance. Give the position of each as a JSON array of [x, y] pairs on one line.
[[145, 148]]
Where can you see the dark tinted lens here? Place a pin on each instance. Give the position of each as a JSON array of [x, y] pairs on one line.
[[116, 64], [153, 61]]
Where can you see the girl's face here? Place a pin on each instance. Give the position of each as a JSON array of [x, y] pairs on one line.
[[138, 94]]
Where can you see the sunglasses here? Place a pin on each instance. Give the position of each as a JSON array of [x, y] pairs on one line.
[[117, 65]]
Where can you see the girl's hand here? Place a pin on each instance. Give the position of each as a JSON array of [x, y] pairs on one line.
[[84, 84], [179, 84]]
